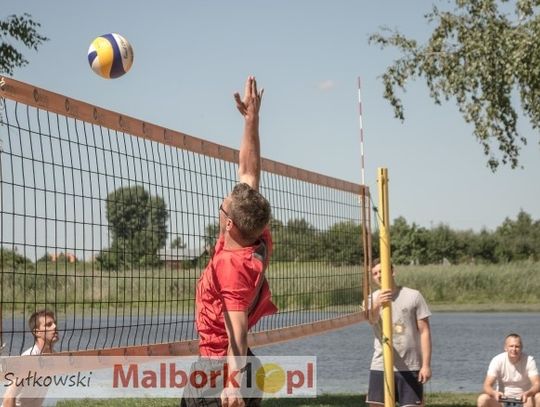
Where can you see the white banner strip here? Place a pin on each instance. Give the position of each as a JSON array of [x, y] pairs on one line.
[[157, 377]]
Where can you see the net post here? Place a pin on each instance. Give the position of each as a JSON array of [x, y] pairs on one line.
[[361, 126], [386, 284], [366, 242]]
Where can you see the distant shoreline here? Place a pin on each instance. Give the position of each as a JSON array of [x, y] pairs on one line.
[[494, 307]]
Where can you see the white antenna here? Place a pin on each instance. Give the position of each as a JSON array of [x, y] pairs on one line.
[[361, 132]]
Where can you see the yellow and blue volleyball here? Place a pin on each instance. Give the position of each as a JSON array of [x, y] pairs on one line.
[[110, 55]]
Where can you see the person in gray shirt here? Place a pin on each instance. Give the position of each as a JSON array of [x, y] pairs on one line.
[[411, 339]]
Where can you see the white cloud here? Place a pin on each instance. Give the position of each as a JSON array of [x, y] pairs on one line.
[[326, 85]]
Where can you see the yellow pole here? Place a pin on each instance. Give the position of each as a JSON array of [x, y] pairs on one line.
[[386, 284]]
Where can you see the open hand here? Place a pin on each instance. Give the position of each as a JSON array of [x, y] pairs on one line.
[[250, 104]]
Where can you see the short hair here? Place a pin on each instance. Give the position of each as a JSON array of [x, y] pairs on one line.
[[33, 321], [377, 261], [514, 335], [249, 210]]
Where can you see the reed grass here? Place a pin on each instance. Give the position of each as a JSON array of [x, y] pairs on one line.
[[512, 283], [77, 286], [295, 286], [84, 287]]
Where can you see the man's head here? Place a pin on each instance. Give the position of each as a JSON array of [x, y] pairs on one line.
[[376, 271], [42, 324], [244, 212], [513, 347]]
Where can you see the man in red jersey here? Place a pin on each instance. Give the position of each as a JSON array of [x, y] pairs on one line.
[[232, 293]]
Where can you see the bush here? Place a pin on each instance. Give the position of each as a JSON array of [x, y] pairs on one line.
[[10, 259]]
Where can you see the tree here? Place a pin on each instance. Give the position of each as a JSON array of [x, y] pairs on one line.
[[303, 240], [519, 239], [178, 243], [210, 238], [46, 258], [11, 260], [478, 247], [375, 244], [297, 241], [22, 29], [442, 243], [138, 225], [343, 244], [480, 56], [408, 243]]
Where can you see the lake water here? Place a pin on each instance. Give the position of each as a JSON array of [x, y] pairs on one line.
[[463, 345]]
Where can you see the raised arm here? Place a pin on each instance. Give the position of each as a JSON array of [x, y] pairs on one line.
[[249, 167]]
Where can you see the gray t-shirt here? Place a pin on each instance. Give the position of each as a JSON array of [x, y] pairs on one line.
[[408, 306]]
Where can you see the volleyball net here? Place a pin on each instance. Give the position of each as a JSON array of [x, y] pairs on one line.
[[108, 221]]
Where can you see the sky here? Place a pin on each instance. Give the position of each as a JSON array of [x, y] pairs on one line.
[[191, 56]]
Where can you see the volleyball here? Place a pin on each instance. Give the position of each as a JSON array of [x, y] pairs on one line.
[[110, 55]]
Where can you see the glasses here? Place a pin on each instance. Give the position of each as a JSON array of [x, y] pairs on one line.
[[224, 211]]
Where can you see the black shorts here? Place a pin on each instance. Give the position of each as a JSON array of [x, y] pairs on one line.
[[408, 390]]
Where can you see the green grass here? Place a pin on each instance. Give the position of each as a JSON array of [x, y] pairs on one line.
[[315, 285], [307, 286], [479, 287], [84, 288], [328, 400]]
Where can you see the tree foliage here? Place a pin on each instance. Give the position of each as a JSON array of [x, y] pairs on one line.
[[211, 236], [11, 260], [23, 30], [298, 240], [482, 57], [520, 238], [408, 242], [341, 244], [514, 240], [178, 243], [138, 226]]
